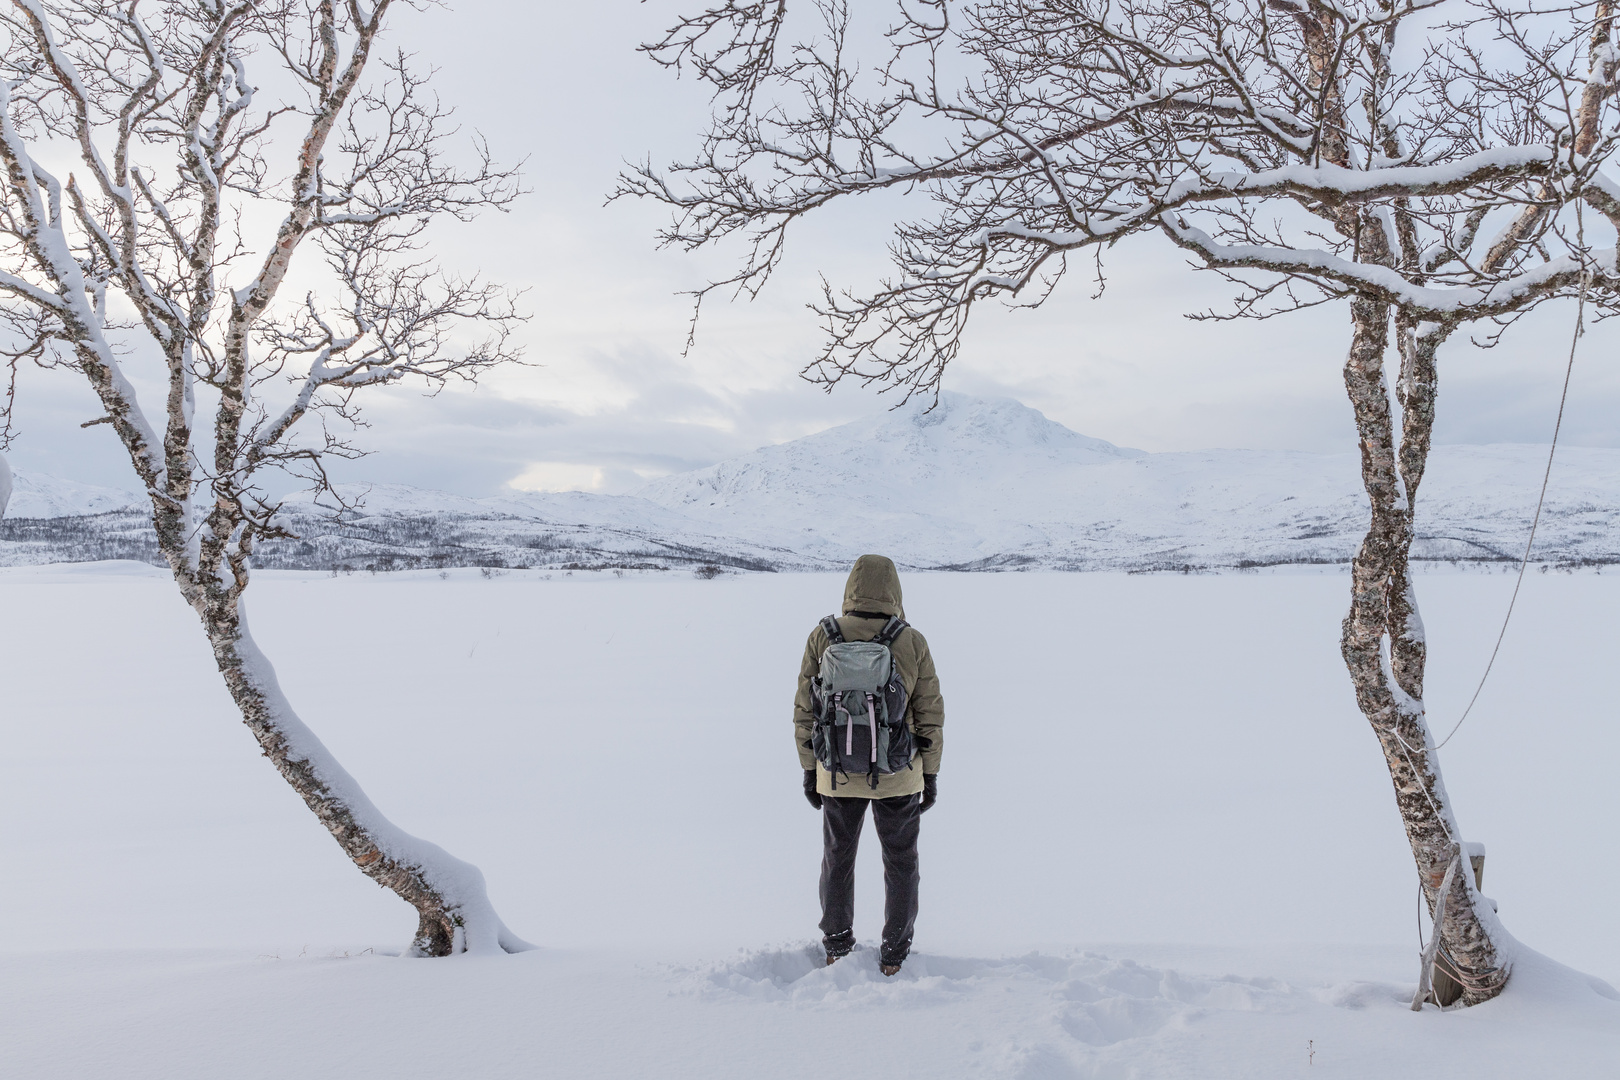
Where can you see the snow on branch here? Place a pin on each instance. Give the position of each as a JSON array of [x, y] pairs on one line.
[[1502, 297], [1284, 137]]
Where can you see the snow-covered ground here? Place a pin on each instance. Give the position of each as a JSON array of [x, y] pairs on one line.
[[1178, 858]]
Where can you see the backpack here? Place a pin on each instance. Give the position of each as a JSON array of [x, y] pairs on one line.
[[859, 704]]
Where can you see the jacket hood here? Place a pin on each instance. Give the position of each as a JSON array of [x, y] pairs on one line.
[[874, 585]]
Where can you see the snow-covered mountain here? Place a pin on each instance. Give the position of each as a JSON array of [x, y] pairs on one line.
[[987, 482], [973, 483], [41, 495], [969, 479]]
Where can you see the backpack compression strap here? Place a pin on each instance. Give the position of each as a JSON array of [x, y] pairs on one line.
[[830, 625]]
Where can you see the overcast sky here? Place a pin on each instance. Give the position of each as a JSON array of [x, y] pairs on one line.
[[610, 401]]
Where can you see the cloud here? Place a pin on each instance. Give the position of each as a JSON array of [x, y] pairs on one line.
[[565, 476], [652, 414]]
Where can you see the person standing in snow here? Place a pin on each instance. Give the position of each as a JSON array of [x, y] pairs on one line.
[[872, 612]]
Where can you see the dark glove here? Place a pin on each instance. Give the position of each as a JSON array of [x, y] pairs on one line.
[[810, 793], [930, 791]]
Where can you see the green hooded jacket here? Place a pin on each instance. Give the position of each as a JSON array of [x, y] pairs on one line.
[[874, 586]]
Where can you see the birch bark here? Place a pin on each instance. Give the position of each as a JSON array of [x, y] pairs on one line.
[[1383, 644]]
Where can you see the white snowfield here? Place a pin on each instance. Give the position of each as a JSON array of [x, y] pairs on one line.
[[1151, 857], [984, 483]]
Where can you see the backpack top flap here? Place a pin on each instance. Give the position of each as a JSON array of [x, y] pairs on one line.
[[855, 665]]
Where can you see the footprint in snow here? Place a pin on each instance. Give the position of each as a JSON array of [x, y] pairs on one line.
[[1095, 999]]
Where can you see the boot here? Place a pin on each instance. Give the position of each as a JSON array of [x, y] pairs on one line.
[[838, 946]]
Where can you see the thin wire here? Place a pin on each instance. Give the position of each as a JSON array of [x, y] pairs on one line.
[[1580, 329]]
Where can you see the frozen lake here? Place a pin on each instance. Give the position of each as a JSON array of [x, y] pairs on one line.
[[1186, 784]]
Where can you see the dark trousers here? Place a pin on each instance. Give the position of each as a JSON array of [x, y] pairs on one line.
[[896, 820]]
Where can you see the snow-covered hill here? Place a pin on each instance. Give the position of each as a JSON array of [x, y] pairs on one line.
[[987, 482], [974, 483], [394, 527], [399, 527], [41, 495]]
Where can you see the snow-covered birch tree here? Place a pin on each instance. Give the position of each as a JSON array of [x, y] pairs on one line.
[[1428, 165], [172, 167]]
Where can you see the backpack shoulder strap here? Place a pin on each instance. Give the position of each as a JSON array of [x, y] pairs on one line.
[[830, 625], [891, 630]]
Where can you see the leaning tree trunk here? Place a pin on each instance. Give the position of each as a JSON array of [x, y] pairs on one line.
[[162, 261], [453, 908], [1383, 644]]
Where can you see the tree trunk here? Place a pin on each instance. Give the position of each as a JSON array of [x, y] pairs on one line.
[[1383, 643], [454, 912]]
